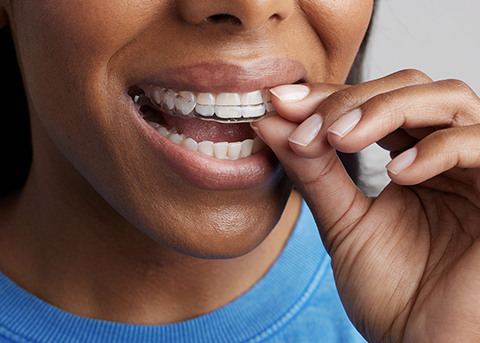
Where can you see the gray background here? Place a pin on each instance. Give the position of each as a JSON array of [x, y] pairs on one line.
[[438, 37]]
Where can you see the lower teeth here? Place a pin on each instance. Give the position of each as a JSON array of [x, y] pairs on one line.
[[221, 150]]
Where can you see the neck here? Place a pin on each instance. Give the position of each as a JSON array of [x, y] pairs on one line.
[[84, 258]]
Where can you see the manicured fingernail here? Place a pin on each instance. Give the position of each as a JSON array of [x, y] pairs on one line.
[[257, 130], [346, 123], [306, 132], [290, 93], [402, 161]]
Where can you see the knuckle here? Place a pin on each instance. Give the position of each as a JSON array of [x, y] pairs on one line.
[[389, 102], [442, 138], [414, 76], [346, 98], [445, 141], [459, 86], [467, 104]]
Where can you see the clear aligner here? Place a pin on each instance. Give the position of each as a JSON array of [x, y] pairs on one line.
[[223, 107]]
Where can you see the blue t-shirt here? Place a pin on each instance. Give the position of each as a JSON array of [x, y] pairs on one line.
[[296, 301]]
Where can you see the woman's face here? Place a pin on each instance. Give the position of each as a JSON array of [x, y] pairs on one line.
[[83, 60]]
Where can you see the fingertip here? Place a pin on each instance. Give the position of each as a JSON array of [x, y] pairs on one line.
[[274, 130], [296, 102], [402, 161], [255, 127], [306, 132], [346, 124], [291, 93]]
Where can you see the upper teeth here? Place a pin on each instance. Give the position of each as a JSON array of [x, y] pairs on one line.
[[224, 107]]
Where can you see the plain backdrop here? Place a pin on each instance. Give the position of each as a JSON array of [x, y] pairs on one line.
[[439, 37]]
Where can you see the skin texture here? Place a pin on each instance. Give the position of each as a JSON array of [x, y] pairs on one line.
[[99, 209], [104, 225], [406, 263]]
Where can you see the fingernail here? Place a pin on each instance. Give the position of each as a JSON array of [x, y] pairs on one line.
[[257, 130], [402, 161], [290, 93], [346, 123], [306, 132]]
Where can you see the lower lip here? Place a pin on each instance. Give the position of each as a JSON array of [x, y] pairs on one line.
[[208, 172]]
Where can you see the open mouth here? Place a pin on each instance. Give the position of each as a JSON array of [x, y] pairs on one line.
[[215, 125]]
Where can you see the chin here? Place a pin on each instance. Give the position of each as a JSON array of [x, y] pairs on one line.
[[229, 230]]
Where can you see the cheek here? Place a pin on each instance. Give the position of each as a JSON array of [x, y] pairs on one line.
[[65, 49], [89, 28], [67, 45], [342, 23], [340, 26]]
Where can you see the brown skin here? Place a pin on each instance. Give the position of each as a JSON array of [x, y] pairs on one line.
[[406, 264], [102, 227]]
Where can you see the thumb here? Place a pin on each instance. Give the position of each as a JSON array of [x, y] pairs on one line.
[[335, 201]]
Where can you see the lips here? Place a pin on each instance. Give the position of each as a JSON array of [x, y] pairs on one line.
[[220, 76], [205, 153]]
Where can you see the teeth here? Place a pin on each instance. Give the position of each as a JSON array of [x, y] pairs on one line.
[[176, 138], [234, 150], [158, 95], [190, 143], [228, 99], [206, 148], [253, 98], [169, 99], [228, 106], [247, 147], [221, 150], [225, 107], [205, 104], [185, 102]]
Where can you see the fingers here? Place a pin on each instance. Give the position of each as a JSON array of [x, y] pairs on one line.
[[323, 181], [391, 111], [434, 105], [437, 153], [297, 102], [435, 124], [401, 111], [330, 105]]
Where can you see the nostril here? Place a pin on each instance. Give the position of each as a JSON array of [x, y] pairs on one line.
[[223, 19]]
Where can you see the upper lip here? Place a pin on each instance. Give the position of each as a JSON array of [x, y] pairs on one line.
[[224, 76]]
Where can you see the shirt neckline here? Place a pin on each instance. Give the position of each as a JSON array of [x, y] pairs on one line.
[[260, 312]]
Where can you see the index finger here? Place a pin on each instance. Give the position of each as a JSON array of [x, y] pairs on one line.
[[298, 101]]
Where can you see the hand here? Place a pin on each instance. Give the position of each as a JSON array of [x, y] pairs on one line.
[[406, 264]]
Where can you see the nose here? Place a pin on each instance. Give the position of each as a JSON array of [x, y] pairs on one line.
[[246, 15]]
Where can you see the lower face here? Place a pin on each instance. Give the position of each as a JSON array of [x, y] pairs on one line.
[[99, 75]]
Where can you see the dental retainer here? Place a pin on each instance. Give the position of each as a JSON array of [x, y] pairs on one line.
[[223, 107]]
